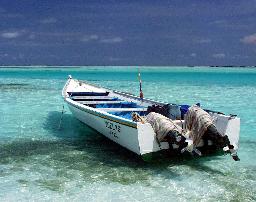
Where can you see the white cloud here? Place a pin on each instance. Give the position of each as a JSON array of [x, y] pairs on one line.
[[94, 37], [4, 55], [193, 54], [113, 59], [32, 36], [250, 39], [49, 21], [219, 22], [202, 41], [11, 15], [219, 55], [2, 10], [88, 38], [10, 35], [112, 40]]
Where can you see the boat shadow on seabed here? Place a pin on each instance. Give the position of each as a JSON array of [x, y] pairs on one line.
[[99, 148], [79, 148]]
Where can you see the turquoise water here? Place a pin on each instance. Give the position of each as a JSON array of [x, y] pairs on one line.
[[40, 162]]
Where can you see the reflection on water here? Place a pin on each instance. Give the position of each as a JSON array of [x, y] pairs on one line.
[[14, 86]]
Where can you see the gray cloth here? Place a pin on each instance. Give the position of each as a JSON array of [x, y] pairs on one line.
[[197, 121], [162, 125]]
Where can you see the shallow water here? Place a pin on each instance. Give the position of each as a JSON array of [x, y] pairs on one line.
[[40, 162]]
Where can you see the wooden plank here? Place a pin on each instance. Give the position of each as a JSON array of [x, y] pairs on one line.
[[101, 102], [91, 98], [122, 109]]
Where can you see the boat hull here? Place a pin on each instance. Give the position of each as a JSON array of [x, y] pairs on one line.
[[138, 137], [125, 135]]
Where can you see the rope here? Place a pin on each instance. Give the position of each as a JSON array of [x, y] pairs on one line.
[[137, 118], [62, 113]]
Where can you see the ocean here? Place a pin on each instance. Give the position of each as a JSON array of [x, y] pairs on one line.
[[39, 162]]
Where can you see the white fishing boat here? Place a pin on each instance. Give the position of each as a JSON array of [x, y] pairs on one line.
[[127, 120]]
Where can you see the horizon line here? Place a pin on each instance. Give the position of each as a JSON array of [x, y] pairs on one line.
[[9, 66]]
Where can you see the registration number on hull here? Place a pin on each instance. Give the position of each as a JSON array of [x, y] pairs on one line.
[[114, 129]]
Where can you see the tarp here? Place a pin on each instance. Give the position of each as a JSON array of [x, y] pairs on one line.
[[162, 125]]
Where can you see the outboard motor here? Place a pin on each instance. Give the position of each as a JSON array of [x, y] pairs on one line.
[[221, 142], [199, 125]]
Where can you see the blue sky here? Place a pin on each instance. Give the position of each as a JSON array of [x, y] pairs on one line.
[[131, 32]]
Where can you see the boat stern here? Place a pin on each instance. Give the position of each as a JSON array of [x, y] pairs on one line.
[[233, 131], [147, 139]]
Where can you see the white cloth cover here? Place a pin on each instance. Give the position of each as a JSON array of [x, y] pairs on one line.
[[197, 121], [162, 125]]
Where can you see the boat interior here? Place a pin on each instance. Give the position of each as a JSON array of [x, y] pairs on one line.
[[122, 105]]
